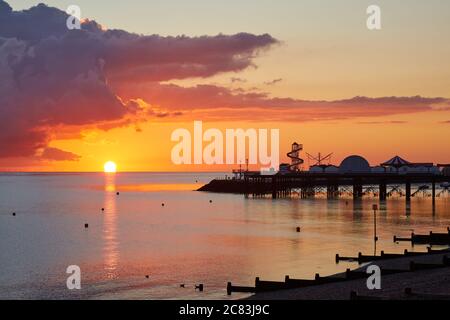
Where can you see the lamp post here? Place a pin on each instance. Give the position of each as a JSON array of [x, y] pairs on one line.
[[375, 238], [375, 208]]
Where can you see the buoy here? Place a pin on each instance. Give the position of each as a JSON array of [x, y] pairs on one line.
[[210, 201], [298, 229], [103, 209], [199, 287], [86, 225], [117, 193], [162, 204], [14, 214], [147, 276]]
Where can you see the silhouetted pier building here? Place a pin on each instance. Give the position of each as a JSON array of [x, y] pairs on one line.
[[354, 172], [354, 175]]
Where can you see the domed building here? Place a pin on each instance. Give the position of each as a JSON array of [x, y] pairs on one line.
[[354, 164]]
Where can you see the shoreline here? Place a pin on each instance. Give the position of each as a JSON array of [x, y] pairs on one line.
[[425, 284]]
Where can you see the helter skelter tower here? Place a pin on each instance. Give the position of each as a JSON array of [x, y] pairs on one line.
[[294, 155]]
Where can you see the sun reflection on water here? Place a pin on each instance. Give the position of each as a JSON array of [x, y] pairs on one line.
[[111, 243]]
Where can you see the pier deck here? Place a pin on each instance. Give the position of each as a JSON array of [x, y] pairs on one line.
[[279, 185]]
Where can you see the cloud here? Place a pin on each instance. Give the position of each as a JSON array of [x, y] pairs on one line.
[[273, 82], [54, 79], [55, 154], [383, 122], [237, 79], [210, 102]]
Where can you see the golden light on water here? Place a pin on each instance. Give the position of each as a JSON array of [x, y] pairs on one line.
[[110, 167]]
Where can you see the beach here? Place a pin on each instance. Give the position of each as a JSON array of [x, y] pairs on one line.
[[425, 284]]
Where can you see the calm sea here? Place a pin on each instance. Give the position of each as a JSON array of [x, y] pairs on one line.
[[189, 240]]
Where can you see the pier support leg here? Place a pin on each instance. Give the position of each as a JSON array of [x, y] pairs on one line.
[[332, 191], [408, 191], [246, 187], [274, 187], [433, 193], [383, 192], [312, 192], [357, 191]]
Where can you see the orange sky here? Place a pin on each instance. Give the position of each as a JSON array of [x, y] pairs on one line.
[[421, 139], [297, 75]]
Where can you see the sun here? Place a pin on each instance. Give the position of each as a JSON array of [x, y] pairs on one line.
[[110, 167]]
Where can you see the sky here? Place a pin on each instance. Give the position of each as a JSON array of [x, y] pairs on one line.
[[74, 102]]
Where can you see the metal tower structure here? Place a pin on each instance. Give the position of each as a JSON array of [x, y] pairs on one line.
[[319, 160], [294, 155]]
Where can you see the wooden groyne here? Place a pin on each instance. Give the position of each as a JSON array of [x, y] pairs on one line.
[[431, 238], [361, 258], [291, 283]]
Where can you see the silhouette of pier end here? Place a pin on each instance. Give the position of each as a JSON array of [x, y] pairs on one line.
[[306, 184]]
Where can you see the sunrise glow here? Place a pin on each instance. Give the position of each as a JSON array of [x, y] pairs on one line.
[[110, 167]]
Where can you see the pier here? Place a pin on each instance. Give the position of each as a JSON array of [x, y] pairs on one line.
[[354, 175], [307, 184]]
